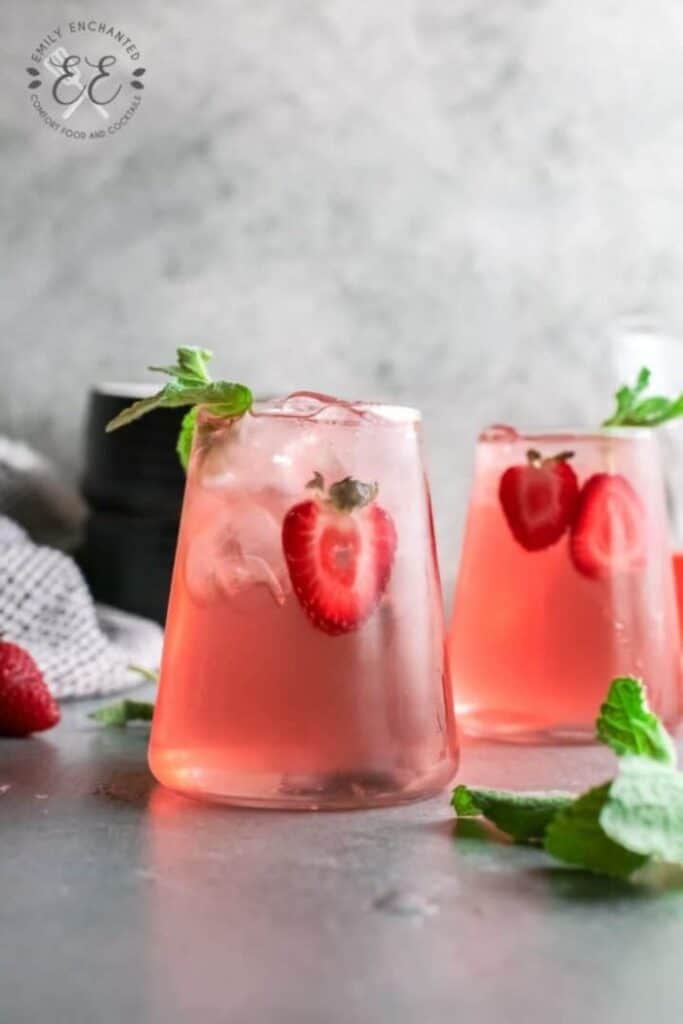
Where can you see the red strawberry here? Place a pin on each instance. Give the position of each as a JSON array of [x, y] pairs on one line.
[[26, 704], [539, 499], [608, 535], [339, 550]]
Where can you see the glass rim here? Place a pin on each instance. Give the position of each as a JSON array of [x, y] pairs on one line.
[[386, 413], [352, 414], [509, 435]]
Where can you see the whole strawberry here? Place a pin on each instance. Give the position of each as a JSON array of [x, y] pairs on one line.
[[26, 704]]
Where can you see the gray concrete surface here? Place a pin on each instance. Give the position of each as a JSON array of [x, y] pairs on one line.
[[122, 902], [440, 202]]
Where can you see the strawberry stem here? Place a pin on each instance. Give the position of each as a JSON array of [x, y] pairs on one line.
[[317, 482], [348, 494], [535, 459]]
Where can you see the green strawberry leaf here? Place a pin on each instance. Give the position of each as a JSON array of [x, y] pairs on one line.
[[123, 712], [650, 412], [576, 836], [644, 811], [627, 725], [524, 816]]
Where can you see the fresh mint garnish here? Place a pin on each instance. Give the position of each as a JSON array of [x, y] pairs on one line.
[[576, 836], [644, 812], [628, 726], [189, 384], [123, 712], [186, 436], [524, 816], [632, 410], [629, 822]]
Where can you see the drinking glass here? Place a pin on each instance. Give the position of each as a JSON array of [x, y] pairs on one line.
[[304, 662], [537, 635], [642, 343]]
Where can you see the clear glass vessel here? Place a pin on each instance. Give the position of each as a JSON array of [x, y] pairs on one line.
[[304, 662], [537, 634], [638, 342]]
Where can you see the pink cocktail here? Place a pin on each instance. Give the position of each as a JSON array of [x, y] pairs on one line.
[[678, 577], [304, 662], [565, 582]]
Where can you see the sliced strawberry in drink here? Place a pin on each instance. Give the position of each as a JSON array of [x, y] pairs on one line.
[[339, 549], [608, 535], [539, 499]]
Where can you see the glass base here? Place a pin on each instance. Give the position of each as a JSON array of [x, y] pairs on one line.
[[314, 792], [511, 727]]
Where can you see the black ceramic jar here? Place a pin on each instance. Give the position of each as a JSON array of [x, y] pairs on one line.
[[133, 483]]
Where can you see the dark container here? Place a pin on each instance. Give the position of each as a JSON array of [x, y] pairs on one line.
[[133, 483], [134, 469]]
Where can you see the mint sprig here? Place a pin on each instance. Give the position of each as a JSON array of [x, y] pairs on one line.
[[123, 712], [630, 821], [632, 410], [627, 725], [186, 436], [576, 836], [189, 384], [524, 816]]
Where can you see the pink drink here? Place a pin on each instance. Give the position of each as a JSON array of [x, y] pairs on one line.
[[260, 700], [537, 635], [678, 577]]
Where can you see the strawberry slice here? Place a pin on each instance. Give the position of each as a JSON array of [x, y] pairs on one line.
[[539, 499], [609, 534], [339, 548]]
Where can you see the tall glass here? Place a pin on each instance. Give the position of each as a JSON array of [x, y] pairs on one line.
[[537, 635], [304, 662], [636, 344]]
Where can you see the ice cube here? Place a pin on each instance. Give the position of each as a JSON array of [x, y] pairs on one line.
[[499, 432], [241, 553], [308, 452], [299, 403], [221, 456], [311, 405]]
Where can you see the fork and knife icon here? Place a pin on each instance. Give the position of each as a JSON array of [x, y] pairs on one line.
[[52, 63]]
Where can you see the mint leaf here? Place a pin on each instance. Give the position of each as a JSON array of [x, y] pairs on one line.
[[150, 674], [186, 436], [190, 384], [464, 803], [524, 816], [626, 398], [123, 712], [650, 412], [627, 725], [644, 812], [618, 828], [577, 837], [190, 370]]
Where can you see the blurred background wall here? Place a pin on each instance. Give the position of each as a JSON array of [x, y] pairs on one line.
[[447, 203]]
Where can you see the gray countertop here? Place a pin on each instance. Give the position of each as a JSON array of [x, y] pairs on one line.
[[120, 901]]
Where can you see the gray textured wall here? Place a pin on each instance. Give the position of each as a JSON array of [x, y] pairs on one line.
[[442, 202]]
